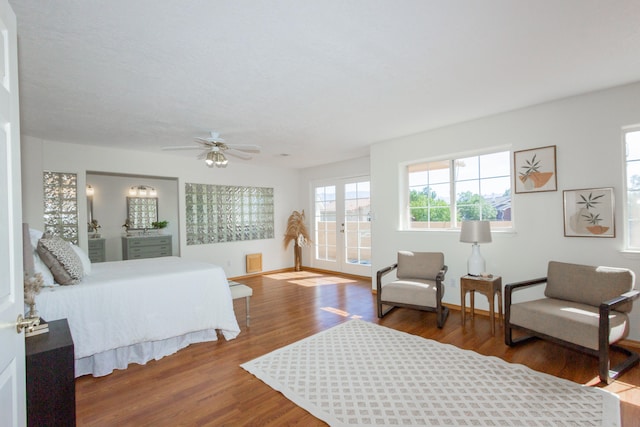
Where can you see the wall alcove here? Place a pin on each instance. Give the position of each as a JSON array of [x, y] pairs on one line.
[[108, 206]]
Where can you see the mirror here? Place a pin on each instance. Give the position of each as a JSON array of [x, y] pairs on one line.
[[141, 212], [89, 210]]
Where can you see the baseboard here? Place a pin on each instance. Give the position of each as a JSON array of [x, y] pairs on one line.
[[630, 343]]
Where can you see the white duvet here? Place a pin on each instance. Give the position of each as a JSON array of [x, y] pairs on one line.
[[124, 303]]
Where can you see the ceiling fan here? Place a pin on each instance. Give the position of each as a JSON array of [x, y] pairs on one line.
[[214, 149]]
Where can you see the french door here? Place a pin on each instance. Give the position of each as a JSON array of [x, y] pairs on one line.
[[342, 226]]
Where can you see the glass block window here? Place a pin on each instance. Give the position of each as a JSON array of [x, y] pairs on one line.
[[61, 205], [225, 213]]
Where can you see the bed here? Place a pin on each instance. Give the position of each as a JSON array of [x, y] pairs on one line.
[[135, 311]]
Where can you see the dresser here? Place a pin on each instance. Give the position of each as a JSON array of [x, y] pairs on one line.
[[146, 247], [97, 250], [51, 389]]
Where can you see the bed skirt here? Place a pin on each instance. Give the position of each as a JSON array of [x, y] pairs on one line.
[[104, 363]]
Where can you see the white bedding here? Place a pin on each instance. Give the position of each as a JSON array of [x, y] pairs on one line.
[[138, 310]]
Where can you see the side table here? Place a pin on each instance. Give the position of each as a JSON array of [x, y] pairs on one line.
[[489, 286], [51, 392]]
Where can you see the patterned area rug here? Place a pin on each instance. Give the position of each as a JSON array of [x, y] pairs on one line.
[[362, 374]]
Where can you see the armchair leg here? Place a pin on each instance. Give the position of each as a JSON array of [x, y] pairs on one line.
[[508, 340], [382, 313], [607, 376], [442, 314]]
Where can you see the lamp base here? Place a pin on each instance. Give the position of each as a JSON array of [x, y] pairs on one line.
[[475, 264]]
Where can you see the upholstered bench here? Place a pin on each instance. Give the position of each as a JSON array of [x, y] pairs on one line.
[[239, 290], [585, 308]]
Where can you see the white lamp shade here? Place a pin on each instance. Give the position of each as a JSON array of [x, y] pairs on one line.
[[475, 232]]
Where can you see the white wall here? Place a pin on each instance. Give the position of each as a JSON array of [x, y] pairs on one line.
[[587, 132], [39, 155]]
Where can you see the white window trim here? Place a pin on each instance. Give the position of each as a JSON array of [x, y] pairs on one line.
[[625, 193], [403, 181]]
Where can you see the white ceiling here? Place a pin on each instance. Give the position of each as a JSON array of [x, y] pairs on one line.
[[319, 80]]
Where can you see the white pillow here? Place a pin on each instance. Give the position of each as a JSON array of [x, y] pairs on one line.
[[40, 267], [84, 258], [34, 236]]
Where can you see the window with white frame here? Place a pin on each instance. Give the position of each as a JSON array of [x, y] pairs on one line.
[[443, 193], [632, 188]]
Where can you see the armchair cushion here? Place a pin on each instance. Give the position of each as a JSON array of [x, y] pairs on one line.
[[415, 292], [580, 322], [419, 265], [587, 284]]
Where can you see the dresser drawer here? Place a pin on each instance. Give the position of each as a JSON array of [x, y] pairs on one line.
[[96, 244], [146, 247], [97, 250], [149, 241], [150, 250]]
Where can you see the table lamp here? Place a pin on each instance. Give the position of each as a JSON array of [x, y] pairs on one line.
[[475, 232]]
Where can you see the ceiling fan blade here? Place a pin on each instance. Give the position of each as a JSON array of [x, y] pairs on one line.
[[209, 140], [236, 153], [248, 148], [205, 141], [182, 147]]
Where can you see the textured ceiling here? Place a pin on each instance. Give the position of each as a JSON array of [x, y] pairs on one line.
[[319, 80]]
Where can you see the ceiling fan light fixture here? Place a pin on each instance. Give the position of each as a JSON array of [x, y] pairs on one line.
[[216, 158], [210, 159], [221, 160]]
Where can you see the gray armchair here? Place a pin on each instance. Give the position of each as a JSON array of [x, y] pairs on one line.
[[418, 286], [584, 308]]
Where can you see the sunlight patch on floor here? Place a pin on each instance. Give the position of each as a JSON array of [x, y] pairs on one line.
[[322, 281], [292, 275], [622, 389], [309, 279], [341, 312]]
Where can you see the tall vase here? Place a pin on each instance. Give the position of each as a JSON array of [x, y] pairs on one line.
[[578, 221], [297, 254]]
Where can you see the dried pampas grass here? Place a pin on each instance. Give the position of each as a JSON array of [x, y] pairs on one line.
[[296, 229]]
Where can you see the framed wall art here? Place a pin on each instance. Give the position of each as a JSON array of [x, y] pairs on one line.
[[589, 212], [535, 170]]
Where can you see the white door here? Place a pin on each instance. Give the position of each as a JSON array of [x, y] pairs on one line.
[[342, 226], [12, 362]]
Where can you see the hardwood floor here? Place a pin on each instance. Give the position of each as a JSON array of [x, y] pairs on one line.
[[203, 384]]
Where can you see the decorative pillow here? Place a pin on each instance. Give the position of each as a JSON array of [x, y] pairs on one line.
[[40, 267], [62, 260], [84, 258]]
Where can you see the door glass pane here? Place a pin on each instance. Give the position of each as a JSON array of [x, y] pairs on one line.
[[325, 223], [357, 226]]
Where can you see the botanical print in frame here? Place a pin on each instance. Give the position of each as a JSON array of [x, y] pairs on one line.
[[535, 170], [589, 213]]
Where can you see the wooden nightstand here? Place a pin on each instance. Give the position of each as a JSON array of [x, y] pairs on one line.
[[489, 286], [51, 392]]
